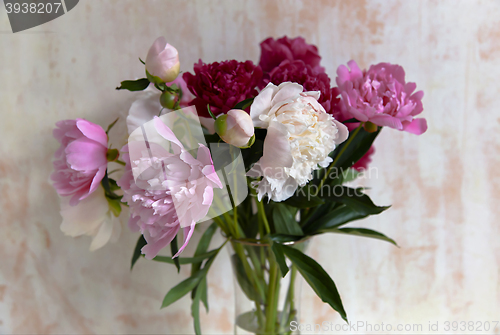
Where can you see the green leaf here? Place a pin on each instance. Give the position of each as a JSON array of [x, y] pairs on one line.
[[317, 278], [350, 175], [338, 217], [137, 251], [280, 257], [195, 306], [358, 201], [203, 246], [115, 206], [243, 281], [363, 232], [142, 61], [111, 125], [304, 198], [188, 284], [356, 149], [181, 289], [185, 260], [284, 221], [174, 248], [134, 85], [282, 238], [204, 292], [244, 104]]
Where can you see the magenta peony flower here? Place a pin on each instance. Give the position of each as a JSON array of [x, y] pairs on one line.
[[81, 159], [364, 161], [273, 52], [222, 85], [301, 73], [171, 190], [381, 96]]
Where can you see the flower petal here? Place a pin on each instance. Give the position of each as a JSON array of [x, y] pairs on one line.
[[417, 126], [93, 131]]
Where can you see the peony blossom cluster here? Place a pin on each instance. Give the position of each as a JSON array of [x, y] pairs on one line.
[[302, 118]]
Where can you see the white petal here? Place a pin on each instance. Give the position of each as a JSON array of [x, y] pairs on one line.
[[143, 110], [343, 133], [105, 232], [287, 91], [262, 103], [84, 218], [277, 152]]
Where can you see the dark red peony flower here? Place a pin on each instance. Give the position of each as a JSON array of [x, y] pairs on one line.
[[299, 72], [364, 161], [222, 85], [273, 52]]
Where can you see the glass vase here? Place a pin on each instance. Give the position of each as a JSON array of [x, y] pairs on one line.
[[265, 302]]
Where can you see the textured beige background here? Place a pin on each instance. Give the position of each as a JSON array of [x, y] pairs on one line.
[[444, 185]]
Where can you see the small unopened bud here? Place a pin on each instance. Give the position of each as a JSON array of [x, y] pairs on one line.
[[167, 100], [112, 155], [162, 62], [370, 127], [235, 128]]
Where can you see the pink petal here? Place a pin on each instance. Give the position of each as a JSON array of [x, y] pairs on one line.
[[208, 196], [154, 246], [356, 72], [387, 121], [417, 126], [96, 181], [93, 131], [209, 172], [166, 132], [188, 232], [86, 155]]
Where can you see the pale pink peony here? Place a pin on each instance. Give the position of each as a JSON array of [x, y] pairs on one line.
[[381, 96], [172, 190], [81, 160]]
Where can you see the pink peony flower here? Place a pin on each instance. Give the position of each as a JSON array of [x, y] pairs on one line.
[[222, 85], [301, 73], [273, 52], [171, 190], [81, 160], [364, 161], [381, 96]]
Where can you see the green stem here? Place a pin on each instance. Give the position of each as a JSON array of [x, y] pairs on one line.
[[272, 297], [289, 305], [355, 132]]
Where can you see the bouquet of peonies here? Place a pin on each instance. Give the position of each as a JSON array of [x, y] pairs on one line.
[[260, 152]]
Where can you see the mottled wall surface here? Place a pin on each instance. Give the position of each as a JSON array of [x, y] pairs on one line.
[[444, 186]]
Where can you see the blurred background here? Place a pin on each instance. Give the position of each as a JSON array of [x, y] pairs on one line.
[[444, 186]]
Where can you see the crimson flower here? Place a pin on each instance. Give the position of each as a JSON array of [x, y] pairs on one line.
[[222, 85]]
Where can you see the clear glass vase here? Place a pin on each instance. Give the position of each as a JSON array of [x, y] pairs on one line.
[[265, 302]]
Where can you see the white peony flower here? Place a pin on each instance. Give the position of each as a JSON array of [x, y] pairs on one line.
[[91, 217], [300, 135]]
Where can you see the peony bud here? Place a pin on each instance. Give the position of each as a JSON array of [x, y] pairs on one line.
[[167, 100], [162, 62], [235, 128]]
